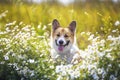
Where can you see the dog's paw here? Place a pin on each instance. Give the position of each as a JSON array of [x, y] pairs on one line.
[[76, 59]]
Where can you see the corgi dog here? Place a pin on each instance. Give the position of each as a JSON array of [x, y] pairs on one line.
[[63, 43]]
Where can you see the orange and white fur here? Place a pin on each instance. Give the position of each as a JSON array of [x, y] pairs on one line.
[[63, 42]]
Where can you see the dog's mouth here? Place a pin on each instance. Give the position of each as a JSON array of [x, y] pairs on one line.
[[61, 47]]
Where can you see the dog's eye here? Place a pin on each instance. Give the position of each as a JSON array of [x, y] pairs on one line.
[[58, 35], [65, 35]]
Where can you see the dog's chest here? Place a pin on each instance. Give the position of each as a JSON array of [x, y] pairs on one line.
[[67, 56]]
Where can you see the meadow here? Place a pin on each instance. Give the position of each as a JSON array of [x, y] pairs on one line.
[[25, 35]]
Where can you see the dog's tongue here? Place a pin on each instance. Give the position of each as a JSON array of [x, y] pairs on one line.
[[60, 48]]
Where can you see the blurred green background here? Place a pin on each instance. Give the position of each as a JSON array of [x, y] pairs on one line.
[[91, 15]]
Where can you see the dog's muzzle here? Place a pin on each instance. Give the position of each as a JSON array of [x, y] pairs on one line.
[[60, 45]]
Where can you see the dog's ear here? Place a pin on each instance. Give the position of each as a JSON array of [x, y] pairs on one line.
[[55, 24], [72, 26]]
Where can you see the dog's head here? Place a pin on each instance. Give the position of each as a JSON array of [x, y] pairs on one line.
[[63, 38]]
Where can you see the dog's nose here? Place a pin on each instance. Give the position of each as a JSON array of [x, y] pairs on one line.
[[61, 42]]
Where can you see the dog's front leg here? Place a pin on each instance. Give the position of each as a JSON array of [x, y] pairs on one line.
[[76, 58]]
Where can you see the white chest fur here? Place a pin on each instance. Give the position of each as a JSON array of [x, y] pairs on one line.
[[67, 56]]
